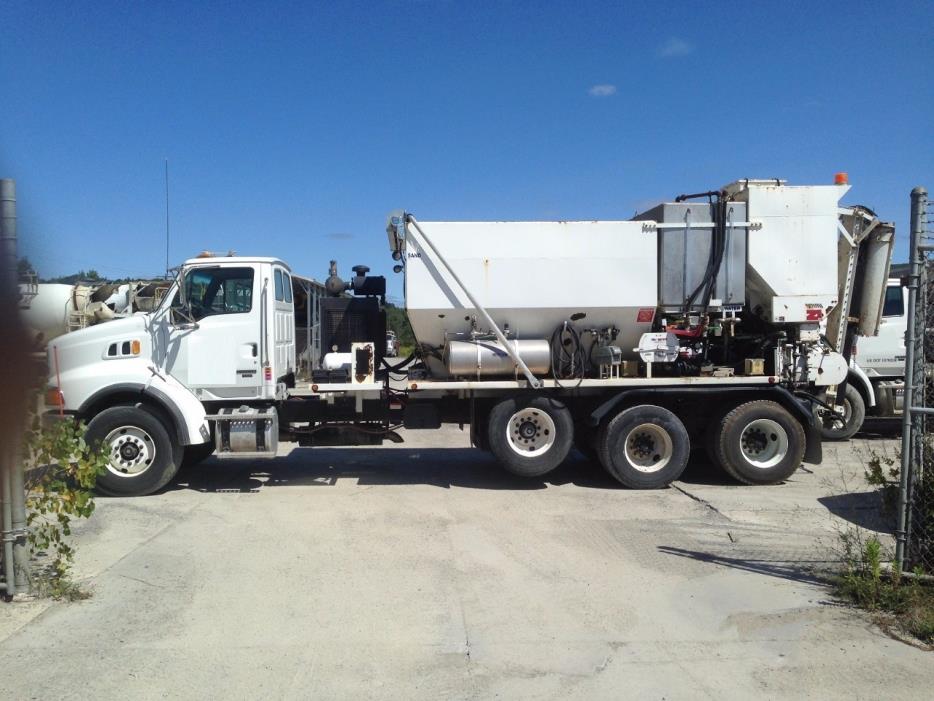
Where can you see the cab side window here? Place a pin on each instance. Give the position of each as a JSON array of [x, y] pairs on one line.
[[283, 285], [894, 302], [280, 294]]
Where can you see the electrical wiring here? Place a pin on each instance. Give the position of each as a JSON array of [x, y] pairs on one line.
[[567, 354]]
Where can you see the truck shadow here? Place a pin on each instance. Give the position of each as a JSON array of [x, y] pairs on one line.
[[862, 509], [880, 428], [807, 572], [438, 467]]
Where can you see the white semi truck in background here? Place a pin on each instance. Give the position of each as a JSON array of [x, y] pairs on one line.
[[876, 380], [697, 323]]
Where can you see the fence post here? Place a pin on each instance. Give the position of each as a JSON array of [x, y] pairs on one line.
[[918, 204]]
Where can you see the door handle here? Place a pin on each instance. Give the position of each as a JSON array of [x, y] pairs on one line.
[[255, 349]]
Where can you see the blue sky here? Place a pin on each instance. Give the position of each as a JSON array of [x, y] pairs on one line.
[[291, 129]]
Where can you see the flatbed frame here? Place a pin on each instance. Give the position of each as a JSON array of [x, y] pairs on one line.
[[308, 389]]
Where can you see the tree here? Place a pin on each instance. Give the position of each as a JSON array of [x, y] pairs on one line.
[[397, 321], [24, 268], [90, 275]]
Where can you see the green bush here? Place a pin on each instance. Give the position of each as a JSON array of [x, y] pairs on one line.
[[60, 480]]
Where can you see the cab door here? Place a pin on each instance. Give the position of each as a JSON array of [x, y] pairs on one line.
[[884, 355], [214, 345]]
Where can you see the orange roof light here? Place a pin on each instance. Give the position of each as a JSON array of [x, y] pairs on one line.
[[841, 179]]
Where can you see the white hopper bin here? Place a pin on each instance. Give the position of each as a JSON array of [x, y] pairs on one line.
[[791, 273], [531, 277]]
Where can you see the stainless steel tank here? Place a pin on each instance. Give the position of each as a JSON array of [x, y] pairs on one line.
[[490, 359]]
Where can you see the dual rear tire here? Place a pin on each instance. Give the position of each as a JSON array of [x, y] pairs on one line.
[[643, 447], [647, 446], [530, 436], [757, 443]]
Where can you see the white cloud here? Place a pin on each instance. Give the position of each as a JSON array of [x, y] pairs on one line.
[[675, 47], [603, 90]]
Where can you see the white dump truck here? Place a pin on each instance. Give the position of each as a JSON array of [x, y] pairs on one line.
[[696, 324]]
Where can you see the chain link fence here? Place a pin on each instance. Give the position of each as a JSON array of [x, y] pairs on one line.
[[916, 504]]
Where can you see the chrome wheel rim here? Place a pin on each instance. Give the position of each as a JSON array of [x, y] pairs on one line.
[[648, 448], [531, 432], [764, 443], [131, 451]]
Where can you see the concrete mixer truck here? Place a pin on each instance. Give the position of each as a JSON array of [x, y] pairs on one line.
[[717, 321], [49, 310]]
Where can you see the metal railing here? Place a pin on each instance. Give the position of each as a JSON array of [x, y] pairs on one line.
[[915, 528]]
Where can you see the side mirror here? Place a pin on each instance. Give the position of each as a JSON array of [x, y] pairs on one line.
[[181, 319]]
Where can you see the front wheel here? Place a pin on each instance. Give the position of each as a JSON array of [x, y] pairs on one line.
[[142, 457], [832, 428], [530, 437]]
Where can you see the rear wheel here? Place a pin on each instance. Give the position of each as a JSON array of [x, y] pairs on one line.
[[530, 437], [759, 442], [644, 447], [854, 413], [142, 456]]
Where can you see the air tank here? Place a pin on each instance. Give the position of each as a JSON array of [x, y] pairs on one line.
[[490, 359]]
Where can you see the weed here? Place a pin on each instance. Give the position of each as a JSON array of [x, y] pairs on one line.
[[866, 584], [53, 582], [883, 471], [59, 489]]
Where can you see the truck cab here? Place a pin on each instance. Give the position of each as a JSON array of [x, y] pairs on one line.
[[224, 335], [227, 329]]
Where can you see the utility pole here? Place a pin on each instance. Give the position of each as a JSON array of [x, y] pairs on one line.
[[166, 218]]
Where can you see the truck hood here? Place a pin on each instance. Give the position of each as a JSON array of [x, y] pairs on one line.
[[92, 344]]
